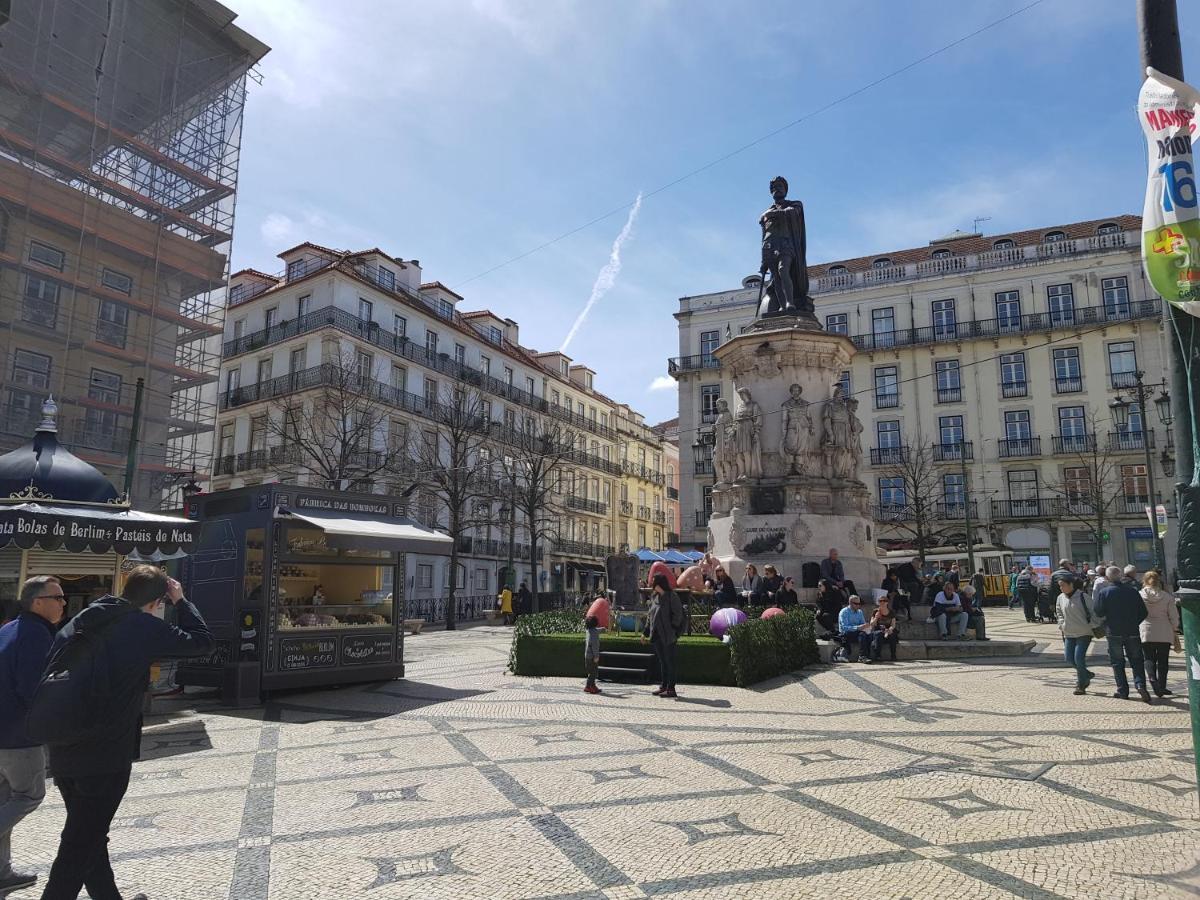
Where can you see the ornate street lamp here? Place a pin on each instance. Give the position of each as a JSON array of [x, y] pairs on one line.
[[1162, 406]]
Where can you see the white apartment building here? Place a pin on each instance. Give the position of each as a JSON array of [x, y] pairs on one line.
[[998, 347], [413, 343]]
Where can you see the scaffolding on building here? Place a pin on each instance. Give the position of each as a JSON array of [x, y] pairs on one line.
[[120, 135]]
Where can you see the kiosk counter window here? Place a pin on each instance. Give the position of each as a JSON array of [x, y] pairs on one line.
[[328, 587]]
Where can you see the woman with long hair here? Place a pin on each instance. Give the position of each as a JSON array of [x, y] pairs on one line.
[[1159, 631]]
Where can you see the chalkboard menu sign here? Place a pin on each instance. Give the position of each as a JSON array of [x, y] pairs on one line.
[[364, 649], [221, 654], [308, 653]]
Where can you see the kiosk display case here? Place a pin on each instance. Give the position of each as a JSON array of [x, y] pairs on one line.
[[301, 587]]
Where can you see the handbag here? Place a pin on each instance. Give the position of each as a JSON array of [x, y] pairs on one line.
[[1098, 631]]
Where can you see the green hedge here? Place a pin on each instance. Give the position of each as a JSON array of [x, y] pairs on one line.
[[764, 648], [556, 621], [702, 660]]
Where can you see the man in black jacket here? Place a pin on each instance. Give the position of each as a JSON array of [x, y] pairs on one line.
[[1121, 606], [93, 774]]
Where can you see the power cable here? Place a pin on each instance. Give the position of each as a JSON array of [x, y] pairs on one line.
[[756, 141]]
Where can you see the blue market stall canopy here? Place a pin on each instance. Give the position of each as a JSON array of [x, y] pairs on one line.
[[93, 528], [675, 558], [646, 555]]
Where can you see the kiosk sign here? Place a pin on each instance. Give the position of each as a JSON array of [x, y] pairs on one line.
[[307, 653]]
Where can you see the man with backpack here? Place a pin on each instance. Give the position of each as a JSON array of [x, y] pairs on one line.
[[88, 709], [24, 645]]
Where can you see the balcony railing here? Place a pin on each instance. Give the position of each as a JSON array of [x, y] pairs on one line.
[[1127, 441], [626, 508], [1068, 385], [954, 452], [580, 548], [1074, 443], [887, 401], [949, 395], [888, 456], [942, 510], [1031, 508], [702, 517], [692, 363], [1120, 380], [587, 505], [1012, 389], [660, 517], [672, 537], [672, 492], [642, 471], [893, 512], [956, 509], [703, 466], [643, 512], [1020, 447], [1030, 323], [1133, 505]]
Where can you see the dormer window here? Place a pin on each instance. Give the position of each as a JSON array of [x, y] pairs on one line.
[[564, 367], [1004, 244], [295, 269], [837, 270], [494, 334], [882, 263], [445, 309], [942, 253], [236, 293], [1109, 228], [1054, 237]]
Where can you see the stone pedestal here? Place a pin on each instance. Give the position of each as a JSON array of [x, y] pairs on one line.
[[798, 492]]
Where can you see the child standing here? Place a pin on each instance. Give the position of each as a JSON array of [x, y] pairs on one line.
[[591, 654]]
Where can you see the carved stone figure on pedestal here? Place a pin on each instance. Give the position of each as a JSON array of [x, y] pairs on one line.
[[784, 256], [724, 443], [840, 436], [749, 430], [797, 429]]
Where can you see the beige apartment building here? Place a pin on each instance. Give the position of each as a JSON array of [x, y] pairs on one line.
[[412, 344], [1005, 352], [116, 220], [669, 432]]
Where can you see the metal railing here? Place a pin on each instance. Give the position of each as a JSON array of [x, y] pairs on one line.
[[1012, 389], [1018, 447], [672, 492], [1031, 508], [888, 456], [1074, 443], [643, 512], [660, 517], [954, 452], [1119, 380], [887, 401], [703, 466], [949, 395], [585, 504], [907, 512], [1068, 385], [702, 518], [626, 508], [694, 363], [580, 548], [1126, 441]]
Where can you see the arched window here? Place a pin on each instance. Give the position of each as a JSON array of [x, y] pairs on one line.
[[941, 253], [1053, 237], [1108, 228], [837, 270], [882, 263], [1003, 244]]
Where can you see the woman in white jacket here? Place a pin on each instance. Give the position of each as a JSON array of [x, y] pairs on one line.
[[1158, 631], [1077, 622]]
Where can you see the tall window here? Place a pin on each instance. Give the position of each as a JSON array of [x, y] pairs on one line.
[[837, 323], [431, 341], [495, 335], [883, 326], [297, 360], [485, 365], [950, 431], [529, 391], [1017, 425], [954, 492], [1013, 374], [112, 323], [843, 382], [1068, 374], [233, 379], [258, 432], [1122, 364], [891, 492], [1023, 491], [430, 391], [399, 326], [887, 387], [709, 341], [105, 387], [709, 395], [364, 365], [116, 281], [1135, 485], [508, 376], [1060, 301], [1077, 483], [1072, 428], [460, 354], [40, 305], [944, 321], [264, 370], [1116, 297], [887, 434], [445, 309], [295, 269], [303, 305], [1008, 310], [948, 376], [387, 278], [225, 447]]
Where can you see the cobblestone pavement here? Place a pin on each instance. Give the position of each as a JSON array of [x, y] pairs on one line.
[[918, 779]]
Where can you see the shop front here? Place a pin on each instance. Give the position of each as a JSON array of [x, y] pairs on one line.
[[301, 587], [60, 516]]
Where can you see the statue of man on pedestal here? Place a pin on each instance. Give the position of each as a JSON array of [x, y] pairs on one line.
[[724, 443], [749, 430], [797, 429], [785, 257], [840, 430]]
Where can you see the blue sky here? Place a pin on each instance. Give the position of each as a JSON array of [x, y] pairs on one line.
[[466, 132]]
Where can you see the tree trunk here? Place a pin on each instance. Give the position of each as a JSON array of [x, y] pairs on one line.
[[452, 600], [533, 574]]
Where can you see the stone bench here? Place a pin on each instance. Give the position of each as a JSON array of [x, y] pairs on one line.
[[414, 626]]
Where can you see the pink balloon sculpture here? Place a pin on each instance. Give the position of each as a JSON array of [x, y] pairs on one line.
[[771, 612], [658, 567], [600, 609], [724, 619]]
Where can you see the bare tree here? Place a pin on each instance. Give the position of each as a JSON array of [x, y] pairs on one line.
[[337, 434], [451, 454], [1092, 486], [532, 468], [923, 516]]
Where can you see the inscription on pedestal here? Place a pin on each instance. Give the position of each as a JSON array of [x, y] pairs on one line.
[[767, 501]]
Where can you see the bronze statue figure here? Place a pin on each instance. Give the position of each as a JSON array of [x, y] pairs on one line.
[[785, 257]]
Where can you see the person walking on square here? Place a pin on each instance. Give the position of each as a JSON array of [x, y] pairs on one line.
[[663, 627], [92, 773], [591, 654], [524, 600], [1027, 591], [24, 645], [1078, 623], [1121, 606], [506, 605], [1159, 632]]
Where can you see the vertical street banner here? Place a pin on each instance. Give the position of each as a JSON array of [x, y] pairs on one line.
[[1168, 110], [1158, 519]]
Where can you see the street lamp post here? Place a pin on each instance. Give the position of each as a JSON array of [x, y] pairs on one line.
[[1163, 407]]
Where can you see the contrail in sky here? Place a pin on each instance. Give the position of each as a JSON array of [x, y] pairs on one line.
[[608, 275]]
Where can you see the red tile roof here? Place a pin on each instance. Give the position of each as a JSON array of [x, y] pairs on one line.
[[440, 286], [314, 246]]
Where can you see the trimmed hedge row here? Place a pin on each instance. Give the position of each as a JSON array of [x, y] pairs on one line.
[[763, 648], [702, 659]]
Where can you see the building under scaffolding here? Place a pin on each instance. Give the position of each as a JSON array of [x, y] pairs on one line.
[[120, 131]]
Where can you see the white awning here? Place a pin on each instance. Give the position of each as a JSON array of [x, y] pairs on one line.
[[363, 532]]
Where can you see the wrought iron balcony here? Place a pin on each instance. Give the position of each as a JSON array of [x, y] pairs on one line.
[[893, 512], [626, 508], [587, 505], [956, 509], [888, 456], [1020, 447], [1012, 389], [887, 401], [1119, 380], [703, 466], [1031, 508], [1074, 443], [672, 492], [1068, 385], [1128, 441], [692, 363], [954, 452], [702, 517], [643, 512], [949, 395]]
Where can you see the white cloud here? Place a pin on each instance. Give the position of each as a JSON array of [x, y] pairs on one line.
[[662, 383], [278, 230]]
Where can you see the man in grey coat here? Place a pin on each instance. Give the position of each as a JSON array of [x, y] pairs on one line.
[[664, 625], [1121, 606]]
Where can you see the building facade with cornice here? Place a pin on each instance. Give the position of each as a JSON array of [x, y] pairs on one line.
[[1004, 352]]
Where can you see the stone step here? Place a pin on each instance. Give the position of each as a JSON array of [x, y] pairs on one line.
[[943, 649]]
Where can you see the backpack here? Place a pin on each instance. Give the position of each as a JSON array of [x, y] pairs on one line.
[[73, 699]]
